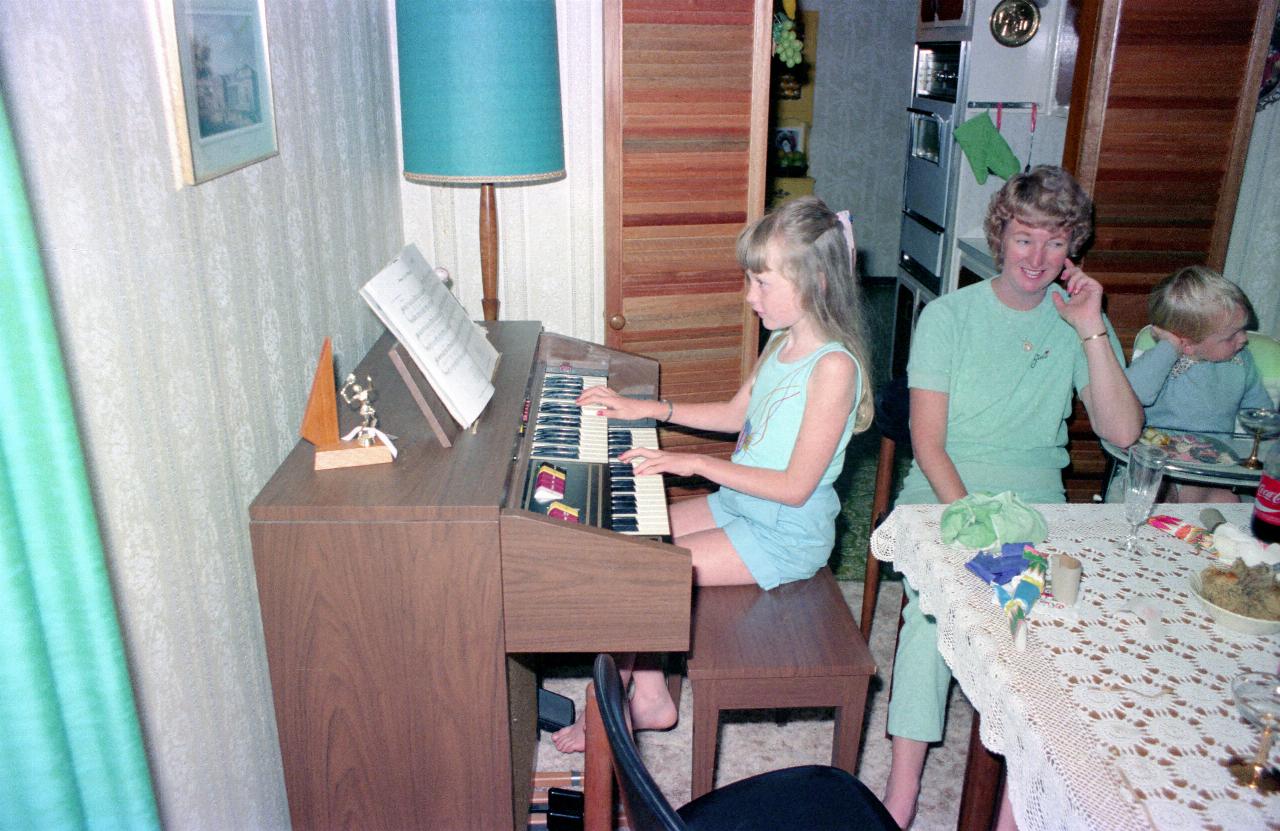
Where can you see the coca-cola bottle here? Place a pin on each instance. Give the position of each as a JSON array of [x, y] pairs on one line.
[[1266, 507]]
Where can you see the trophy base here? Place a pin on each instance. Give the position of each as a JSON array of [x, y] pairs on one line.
[[351, 454]]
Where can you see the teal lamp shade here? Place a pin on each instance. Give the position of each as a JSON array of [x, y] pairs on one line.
[[479, 91]]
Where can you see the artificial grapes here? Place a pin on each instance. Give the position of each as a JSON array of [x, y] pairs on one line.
[[785, 43]]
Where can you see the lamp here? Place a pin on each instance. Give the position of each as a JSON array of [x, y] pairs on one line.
[[480, 102]]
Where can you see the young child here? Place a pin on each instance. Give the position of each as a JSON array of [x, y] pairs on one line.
[[1198, 375], [773, 519]]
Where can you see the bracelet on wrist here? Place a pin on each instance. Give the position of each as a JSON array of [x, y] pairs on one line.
[[671, 408], [1101, 334]]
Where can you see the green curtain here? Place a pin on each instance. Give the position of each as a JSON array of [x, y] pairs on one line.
[[70, 747]]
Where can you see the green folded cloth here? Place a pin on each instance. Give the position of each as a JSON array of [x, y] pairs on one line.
[[986, 149], [981, 520]]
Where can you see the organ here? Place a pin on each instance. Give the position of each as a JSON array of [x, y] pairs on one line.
[[403, 604]]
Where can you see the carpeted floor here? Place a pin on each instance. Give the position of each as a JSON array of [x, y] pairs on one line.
[[756, 741], [752, 742]]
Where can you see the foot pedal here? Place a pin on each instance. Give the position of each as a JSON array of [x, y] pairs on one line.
[[555, 711]]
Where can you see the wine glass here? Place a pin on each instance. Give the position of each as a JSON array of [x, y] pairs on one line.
[[1260, 421], [1257, 697], [1141, 484]]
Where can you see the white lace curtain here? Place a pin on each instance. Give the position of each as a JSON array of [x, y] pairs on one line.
[[1253, 255]]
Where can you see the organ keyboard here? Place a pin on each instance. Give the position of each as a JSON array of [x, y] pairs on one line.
[[402, 603], [569, 436]]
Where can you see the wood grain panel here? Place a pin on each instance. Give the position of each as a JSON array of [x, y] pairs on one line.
[[1159, 125], [349, 609], [640, 590], [686, 109]]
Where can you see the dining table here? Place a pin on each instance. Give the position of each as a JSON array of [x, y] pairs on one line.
[[1117, 712]]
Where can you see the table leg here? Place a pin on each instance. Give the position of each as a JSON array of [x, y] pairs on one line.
[[597, 773], [706, 728], [983, 772]]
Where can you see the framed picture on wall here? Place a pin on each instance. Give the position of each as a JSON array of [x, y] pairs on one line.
[[220, 78]]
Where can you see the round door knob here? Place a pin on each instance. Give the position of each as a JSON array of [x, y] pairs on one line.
[[617, 322]]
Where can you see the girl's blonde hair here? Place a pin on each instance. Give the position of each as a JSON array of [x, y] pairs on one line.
[[1045, 197], [1193, 301], [819, 262]]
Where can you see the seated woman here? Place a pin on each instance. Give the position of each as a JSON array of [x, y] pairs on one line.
[[992, 371]]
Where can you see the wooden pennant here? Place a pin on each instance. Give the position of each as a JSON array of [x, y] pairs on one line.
[[320, 421]]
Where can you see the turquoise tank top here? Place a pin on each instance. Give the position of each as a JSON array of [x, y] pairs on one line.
[[776, 408]]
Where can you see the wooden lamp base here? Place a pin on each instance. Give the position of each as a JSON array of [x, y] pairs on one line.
[[351, 454]]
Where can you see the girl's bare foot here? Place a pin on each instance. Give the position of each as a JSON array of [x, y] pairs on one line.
[[652, 712], [645, 713], [571, 739]]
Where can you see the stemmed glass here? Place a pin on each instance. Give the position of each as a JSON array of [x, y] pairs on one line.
[[1259, 421], [1257, 697], [1141, 484]]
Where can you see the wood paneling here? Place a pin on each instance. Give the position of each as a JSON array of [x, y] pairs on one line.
[[686, 109], [1159, 127]]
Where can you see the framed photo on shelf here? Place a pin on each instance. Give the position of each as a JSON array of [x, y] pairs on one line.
[[789, 138], [220, 79]]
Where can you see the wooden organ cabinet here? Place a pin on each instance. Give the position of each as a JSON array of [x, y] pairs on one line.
[[686, 123], [1161, 112]]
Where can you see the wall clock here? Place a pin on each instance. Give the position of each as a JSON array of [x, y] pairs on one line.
[[1014, 22]]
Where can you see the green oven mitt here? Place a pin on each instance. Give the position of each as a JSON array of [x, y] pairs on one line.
[[981, 520], [986, 149]]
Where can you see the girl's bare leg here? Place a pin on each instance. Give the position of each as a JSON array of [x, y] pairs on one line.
[[903, 788], [715, 563]]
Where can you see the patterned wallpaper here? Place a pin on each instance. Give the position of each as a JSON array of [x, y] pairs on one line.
[[191, 320], [858, 145]]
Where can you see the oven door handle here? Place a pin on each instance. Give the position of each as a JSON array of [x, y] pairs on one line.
[[942, 122]]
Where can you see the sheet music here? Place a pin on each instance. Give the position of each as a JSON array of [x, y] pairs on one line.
[[433, 327]]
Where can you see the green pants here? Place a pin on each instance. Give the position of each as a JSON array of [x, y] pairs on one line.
[[921, 678]]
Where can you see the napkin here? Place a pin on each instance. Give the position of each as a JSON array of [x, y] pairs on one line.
[[981, 520], [1232, 542]]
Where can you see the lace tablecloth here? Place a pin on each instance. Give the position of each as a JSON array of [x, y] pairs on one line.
[[1107, 720]]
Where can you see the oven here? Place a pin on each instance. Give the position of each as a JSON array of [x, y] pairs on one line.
[[927, 188], [931, 118]]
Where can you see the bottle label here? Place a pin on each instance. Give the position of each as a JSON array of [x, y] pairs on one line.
[[1266, 506]]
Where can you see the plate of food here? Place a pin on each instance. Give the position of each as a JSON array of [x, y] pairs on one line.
[[1196, 448], [1242, 598]]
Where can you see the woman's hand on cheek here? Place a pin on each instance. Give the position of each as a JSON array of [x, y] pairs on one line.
[[1083, 306]]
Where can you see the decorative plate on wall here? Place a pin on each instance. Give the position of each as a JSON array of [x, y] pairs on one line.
[[1015, 22]]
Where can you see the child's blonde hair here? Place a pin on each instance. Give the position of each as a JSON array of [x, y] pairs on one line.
[[1045, 197], [819, 262], [1193, 301]]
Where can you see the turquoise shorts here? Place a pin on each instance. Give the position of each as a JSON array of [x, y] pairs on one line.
[[778, 543]]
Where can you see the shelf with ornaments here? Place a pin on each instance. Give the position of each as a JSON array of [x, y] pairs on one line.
[[791, 102]]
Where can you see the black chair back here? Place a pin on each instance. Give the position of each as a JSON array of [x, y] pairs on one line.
[[647, 808], [893, 410]]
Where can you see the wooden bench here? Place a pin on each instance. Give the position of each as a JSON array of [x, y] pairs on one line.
[[794, 646]]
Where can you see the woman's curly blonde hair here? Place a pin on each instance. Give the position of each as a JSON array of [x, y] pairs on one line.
[[1045, 197]]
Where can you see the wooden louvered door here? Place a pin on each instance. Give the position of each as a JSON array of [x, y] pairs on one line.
[[686, 117], [1161, 113]]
